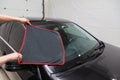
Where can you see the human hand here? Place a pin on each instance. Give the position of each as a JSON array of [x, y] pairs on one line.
[[14, 56], [24, 21]]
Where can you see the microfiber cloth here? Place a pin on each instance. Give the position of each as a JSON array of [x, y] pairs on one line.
[[42, 46]]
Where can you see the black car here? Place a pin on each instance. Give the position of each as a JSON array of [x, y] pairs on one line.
[[87, 58]]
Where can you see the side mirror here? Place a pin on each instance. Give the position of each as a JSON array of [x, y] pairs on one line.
[[13, 66]]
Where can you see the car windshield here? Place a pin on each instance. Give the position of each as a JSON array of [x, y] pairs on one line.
[[76, 40]]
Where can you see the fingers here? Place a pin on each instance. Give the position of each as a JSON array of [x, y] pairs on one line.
[[29, 23], [25, 21], [19, 57]]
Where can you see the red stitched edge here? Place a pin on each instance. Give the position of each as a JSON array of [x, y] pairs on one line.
[[22, 45]]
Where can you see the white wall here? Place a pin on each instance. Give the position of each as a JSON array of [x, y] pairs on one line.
[[100, 17], [21, 8]]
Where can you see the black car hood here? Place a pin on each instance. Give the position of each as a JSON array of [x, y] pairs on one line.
[[104, 67]]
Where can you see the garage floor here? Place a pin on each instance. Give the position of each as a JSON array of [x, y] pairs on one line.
[[3, 75]]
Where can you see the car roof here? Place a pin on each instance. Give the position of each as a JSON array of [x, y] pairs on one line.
[[56, 20]]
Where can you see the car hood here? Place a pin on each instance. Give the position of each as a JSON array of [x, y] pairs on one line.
[[104, 67]]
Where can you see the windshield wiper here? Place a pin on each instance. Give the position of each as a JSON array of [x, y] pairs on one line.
[[101, 45], [97, 51]]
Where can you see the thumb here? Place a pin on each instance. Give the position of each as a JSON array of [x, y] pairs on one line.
[[19, 58]]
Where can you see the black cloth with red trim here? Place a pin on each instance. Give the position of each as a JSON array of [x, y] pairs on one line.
[[39, 46]]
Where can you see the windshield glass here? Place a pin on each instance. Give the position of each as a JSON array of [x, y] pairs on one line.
[[76, 40]]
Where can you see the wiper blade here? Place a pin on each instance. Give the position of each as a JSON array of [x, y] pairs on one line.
[[97, 51], [101, 46]]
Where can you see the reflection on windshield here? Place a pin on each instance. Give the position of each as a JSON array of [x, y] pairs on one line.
[[78, 41]]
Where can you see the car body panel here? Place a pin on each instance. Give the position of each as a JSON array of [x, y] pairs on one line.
[[104, 67]]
